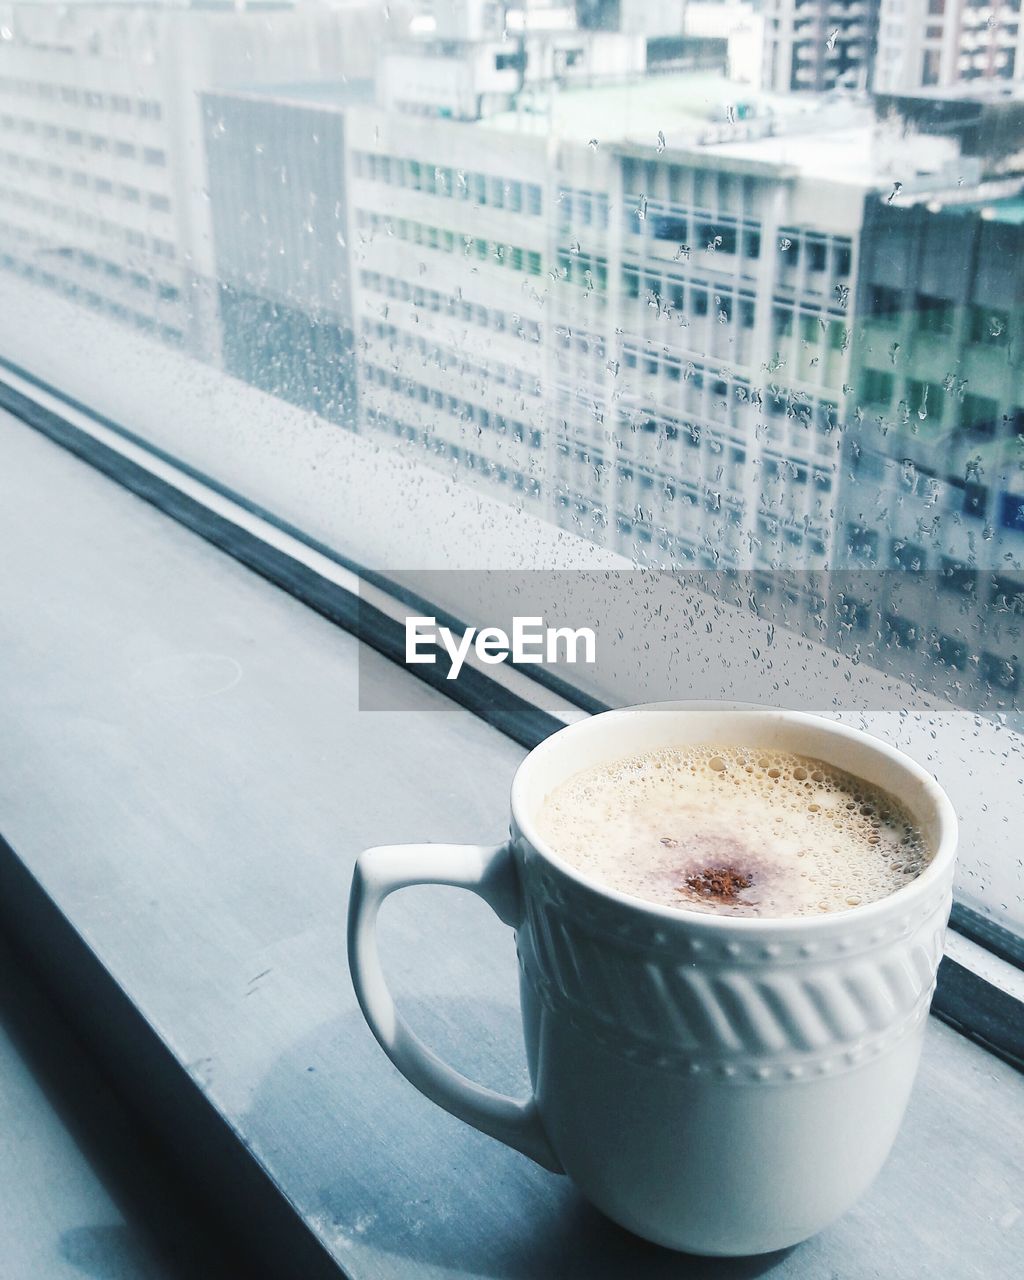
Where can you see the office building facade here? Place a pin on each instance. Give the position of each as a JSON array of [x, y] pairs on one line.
[[938, 44], [932, 494], [815, 46], [103, 185]]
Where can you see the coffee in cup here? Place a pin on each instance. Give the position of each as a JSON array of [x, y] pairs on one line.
[[734, 831]]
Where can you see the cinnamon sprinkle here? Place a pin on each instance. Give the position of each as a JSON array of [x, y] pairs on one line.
[[723, 884]]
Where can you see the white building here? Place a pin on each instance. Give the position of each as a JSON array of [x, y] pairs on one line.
[[468, 80], [102, 181], [741, 25], [933, 43], [471, 58], [631, 306], [449, 245], [817, 45]]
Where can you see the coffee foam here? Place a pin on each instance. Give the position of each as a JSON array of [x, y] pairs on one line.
[[734, 831]]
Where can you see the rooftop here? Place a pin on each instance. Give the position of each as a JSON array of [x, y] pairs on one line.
[[859, 151], [682, 107], [333, 94], [828, 136]]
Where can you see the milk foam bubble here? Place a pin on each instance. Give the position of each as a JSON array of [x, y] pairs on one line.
[[734, 831]]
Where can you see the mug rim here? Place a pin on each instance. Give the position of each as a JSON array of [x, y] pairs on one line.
[[937, 869]]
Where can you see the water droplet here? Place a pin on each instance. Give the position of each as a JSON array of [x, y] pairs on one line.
[[593, 144], [641, 209], [833, 36], [661, 142], [897, 187]]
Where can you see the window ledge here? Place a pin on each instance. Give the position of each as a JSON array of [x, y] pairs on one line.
[[187, 782]]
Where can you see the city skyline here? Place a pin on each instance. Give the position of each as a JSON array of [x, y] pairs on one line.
[[574, 266]]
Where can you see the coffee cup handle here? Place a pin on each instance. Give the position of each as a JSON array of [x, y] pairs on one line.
[[489, 872]]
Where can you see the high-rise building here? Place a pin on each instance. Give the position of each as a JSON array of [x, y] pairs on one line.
[[891, 46], [450, 250], [936, 43], [651, 342], [933, 473], [741, 24], [102, 179], [818, 45], [471, 59]]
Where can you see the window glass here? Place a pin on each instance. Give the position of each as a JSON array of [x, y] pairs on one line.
[[688, 304]]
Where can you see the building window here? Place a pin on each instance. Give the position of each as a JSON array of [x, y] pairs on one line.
[[956, 578], [1000, 673], [908, 556], [884, 303], [900, 631], [952, 653], [669, 227], [931, 62], [862, 543], [979, 416], [925, 399], [1008, 595], [975, 500], [934, 315], [852, 613], [722, 239], [876, 387]]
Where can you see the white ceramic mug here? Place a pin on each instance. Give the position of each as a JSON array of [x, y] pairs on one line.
[[722, 1085]]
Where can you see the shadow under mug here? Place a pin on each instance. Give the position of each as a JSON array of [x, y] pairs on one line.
[[722, 1085]]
